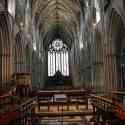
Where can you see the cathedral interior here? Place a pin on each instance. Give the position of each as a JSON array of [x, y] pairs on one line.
[[62, 62]]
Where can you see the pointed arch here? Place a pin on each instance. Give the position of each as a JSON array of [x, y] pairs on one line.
[[115, 36], [6, 42]]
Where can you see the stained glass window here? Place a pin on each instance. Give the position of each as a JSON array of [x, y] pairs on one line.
[[58, 59]]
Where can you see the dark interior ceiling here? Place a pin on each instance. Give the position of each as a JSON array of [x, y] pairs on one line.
[[57, 19]]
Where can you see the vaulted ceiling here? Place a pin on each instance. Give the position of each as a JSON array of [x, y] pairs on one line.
[[57, 18]]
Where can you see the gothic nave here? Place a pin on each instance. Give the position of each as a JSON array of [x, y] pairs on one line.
[[62, 62]]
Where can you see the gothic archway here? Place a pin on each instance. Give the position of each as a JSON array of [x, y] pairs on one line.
[[113, 53]]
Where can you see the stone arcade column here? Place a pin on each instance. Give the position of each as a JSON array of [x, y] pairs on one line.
[[110, 68], [98, 77]]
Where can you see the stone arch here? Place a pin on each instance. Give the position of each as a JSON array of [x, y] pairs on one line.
[[117, 30], [114, 34], [119, 8], [6, 42]]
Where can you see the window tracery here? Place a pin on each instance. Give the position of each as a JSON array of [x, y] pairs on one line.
[[58, 60]]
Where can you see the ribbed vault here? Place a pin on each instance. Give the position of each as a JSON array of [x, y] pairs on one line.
[[57, 19]]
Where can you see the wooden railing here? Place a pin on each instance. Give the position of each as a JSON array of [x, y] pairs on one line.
[[110, 105], [104, 103]]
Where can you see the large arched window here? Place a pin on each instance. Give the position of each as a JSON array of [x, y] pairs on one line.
[[11, 7], [58, 59]]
